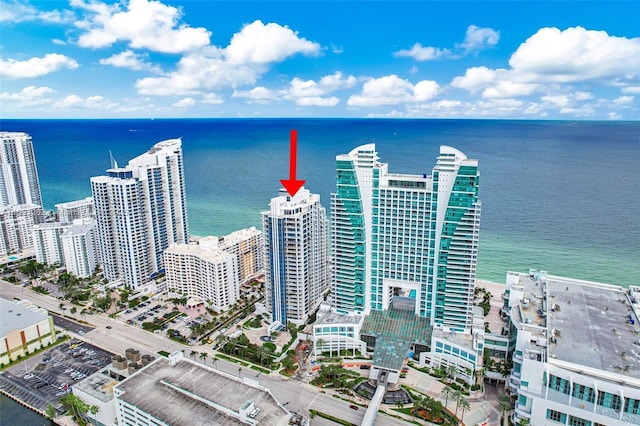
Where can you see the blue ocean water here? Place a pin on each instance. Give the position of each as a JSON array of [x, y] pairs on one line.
[[560, 196]]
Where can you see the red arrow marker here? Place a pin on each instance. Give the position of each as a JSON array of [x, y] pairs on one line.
[[292, 185]]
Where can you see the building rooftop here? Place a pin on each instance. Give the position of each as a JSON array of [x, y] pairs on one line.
[[18, 316], [188, 392], [76, 203], [332, 317], [593, 325], [211, 255], [395, 330], [238, 236], [50, 225], [79, 229], [99, 385]]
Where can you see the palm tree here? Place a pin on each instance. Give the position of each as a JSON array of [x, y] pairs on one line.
[[457, 396], [504, 403], [73, 311], [193, 355], [239, 371], [61, 306], [83, 312], [214, 359], [452, 371], [399, 404], [435, 408], [204, 356], [523, 422], [464, 405], [447, 392], [77, 407]]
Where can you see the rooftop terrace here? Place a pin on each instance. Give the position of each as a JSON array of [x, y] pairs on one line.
[[593, 325], [188, 392]]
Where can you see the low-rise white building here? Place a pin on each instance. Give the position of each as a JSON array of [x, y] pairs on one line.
[[47, 243], [178, 391], [576, 358], [72, 210], [23, 328], [16, 224]]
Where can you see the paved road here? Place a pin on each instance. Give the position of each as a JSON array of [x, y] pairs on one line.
[[67, 324], [300, 396]]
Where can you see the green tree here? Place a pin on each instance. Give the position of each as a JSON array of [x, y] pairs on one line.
[[464, 406], [435, 408], [457, 396], [523, 422], [447, 392], [452, 371], [504, 403], [73, 311], [193, 355], [204, 356], [50, 411], [76, 407]]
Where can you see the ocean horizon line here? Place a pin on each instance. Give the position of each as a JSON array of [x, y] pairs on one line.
[[399, 119]]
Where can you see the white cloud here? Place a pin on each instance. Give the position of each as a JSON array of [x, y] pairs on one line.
[[258, 43], [576, 54], [211, 99], [36, 67], [631, 89], [479, 39], [239, 64], [317, 101], [422, 53], [550, 59], [392, 90], [91, 102], [257, 95], [145, 24], [337, 49], [13, 12], [476, 39], [312, 93], [623, 100], [184, 103], [29, 96], [131, 60], [69, 101]]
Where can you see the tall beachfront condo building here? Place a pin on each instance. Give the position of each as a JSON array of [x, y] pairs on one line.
[[19, 182], [404, 252], [16, 225], [140, 210], [80, 248], [72, 210], [47, 243], [399, 234], [295, 238], [203, 272]]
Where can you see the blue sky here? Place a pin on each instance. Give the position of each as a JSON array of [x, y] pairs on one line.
[[569, 60]]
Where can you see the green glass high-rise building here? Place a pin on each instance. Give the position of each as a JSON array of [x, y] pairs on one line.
[[406, 237]]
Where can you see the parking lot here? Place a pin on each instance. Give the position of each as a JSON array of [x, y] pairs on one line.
[[48, 376]]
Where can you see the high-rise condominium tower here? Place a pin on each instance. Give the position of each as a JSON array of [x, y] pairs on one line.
[[295, 236], [19, 182], [406, 235], [140, 210]]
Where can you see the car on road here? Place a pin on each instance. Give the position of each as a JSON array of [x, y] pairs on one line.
[[353, 407], [81, 333], [28, 376]]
